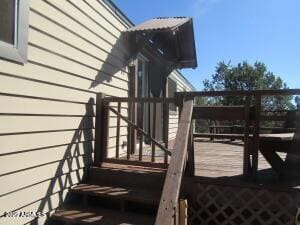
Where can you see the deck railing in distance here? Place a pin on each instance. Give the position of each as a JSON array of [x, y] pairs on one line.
[[126, 110], [239, 93], [235, 129], [169, 199], [255, 97]]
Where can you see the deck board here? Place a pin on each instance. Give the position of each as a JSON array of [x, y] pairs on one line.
[[221, 158]]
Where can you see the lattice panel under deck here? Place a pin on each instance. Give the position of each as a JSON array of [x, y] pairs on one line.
[[216, 204]]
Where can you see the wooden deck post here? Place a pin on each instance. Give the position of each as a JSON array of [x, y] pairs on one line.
[[183, 212], [118, 132], [190, 166], [129, 132], [101, 129], [166, 108], [153, 133], [133, 79], [166, 128], [256, 129], [246, 161], [140, 133]]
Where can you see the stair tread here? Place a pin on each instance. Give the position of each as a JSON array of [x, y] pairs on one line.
[[133, 168], [124, 193], [102, 217]]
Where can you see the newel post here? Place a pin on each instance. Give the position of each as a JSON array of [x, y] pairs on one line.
[[101, 129], [190, 166]]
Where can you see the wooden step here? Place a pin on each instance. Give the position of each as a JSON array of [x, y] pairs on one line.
[[99, 217], [143, 167], [147, 196], [134, 161], [118, 175]]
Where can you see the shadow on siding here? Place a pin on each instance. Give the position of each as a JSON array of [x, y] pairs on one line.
[[70, 159], [125, 58]]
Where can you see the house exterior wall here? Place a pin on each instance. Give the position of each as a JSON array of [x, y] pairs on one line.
[[47, 111], [181, 85], [47, 105]]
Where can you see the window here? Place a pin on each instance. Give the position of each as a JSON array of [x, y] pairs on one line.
[[14, 29], [172, 88]]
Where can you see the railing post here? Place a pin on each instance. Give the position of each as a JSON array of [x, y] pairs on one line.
[[140, 133], [211, 129], [118, 132], [183, 212], [190, 166], [256, 136], [129, 139], [153, 133], [246, 164], [166, 128], [101, 129]]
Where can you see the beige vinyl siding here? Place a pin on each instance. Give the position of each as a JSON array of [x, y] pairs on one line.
[[182, 85], [47, 113], [112, 132]]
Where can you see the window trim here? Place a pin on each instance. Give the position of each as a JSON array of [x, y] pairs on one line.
[[18, 51]]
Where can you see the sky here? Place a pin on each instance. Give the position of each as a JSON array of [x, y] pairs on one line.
[[233, 30]]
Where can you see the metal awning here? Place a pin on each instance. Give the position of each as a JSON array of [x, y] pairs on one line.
[[173, 37]]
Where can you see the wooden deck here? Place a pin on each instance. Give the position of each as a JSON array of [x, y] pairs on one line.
[[213, 159], [221, 158], [222, 162]]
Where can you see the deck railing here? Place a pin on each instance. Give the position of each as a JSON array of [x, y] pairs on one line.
[[281, 122], [182, 154], [250, 112], [126, 110]]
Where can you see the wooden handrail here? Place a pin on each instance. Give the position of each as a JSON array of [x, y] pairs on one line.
[[238, 93], [139, 100], [139, 129], [135, 107], [170, 194]]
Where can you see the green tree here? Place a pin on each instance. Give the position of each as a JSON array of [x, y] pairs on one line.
[[245, 76]]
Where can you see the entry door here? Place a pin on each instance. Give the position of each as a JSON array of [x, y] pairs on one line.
[[143, 92]]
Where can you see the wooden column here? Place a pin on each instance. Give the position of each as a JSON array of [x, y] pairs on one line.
[[183, 212], [118, 131], [132, 130], [256, 130], [166, 129], [190, 166], [166, 119], [153, 133], [140, 133], [129, 131], [246, 164], [101, 129], [132, 108]]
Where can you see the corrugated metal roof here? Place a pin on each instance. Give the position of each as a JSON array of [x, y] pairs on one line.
[[161, 23], [178, 47]]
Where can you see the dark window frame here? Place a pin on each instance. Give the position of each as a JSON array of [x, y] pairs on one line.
[[18, 52]]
